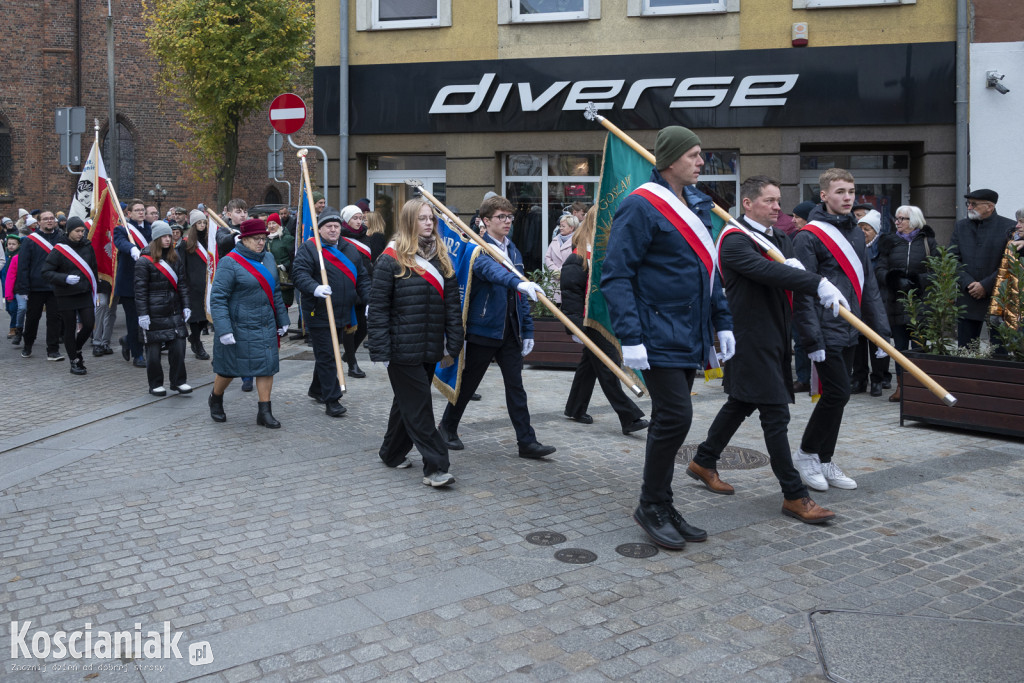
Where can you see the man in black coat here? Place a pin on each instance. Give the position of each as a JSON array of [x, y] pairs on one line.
[[30, 280], [978, 241], [758, 377]]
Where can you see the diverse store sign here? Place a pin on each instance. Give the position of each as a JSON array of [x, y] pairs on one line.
[[830, 86]]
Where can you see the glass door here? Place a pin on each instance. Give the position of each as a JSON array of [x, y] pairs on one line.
[[388, 191]]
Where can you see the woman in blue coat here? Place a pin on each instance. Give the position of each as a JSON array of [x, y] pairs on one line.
[[249, 316]]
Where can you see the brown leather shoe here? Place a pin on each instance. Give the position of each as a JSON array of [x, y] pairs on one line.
[[710, 479], [807, 511], [895, 398]]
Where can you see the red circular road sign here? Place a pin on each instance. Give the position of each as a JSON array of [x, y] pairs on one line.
[[287, 113]]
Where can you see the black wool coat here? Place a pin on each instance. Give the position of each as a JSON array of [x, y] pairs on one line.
[[900, 267], [195, 273], [574, 289], [156, 297], [979, 245], [56, 269], [756, 288], [344, 293]]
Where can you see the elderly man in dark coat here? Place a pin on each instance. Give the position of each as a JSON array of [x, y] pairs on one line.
[[758, 376], [978, 241]]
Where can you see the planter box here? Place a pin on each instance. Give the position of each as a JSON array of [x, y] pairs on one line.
[[552, 347], [989, 393]]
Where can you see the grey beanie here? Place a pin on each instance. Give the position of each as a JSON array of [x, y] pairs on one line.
[[672, 143], [328, 215], [194, 216], [160, 228]]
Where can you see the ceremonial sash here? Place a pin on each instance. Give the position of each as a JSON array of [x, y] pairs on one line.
[[165, 268], [135, 236], [81, 265], [424, 268], [337, 258], [203, 254], [40, 242], [685, 221], [759, 240], [359, 245], [842, 251], [263, 277]]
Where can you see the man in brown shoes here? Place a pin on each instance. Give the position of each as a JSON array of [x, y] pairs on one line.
[[758, 377]]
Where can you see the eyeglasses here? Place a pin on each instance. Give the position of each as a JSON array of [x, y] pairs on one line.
[[262, 238], [503, 217], [972, 204], [900, 219]]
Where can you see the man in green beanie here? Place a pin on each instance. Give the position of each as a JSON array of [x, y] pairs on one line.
[[665, 298]]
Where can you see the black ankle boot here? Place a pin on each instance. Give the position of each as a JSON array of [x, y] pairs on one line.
[[217, 408], [199, 351], [265, 417], [355, 371], [16, 339]]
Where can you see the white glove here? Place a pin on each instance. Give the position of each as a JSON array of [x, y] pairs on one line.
[[144, 322], [527, 347], [72, 279], [281, 331], [817, 356], [830, 297], [880, 353], [136, 253], [227, 339], [577, 339], [386, 364], [727, 342], [188, 313], [635, 357], [322, 291], [794, 263], [530, 289]]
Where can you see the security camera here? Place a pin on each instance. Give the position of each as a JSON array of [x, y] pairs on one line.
[[992, 79]]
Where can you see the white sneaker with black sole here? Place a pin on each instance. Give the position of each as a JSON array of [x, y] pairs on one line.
[[438, 479], [835, 476], [183, 389], [809, 467]]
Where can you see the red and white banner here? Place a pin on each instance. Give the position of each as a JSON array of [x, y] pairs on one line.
[[94, 201]]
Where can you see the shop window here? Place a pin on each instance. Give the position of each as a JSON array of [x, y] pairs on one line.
[[518, 11], [6, 163], [125, 162], [828, 4], [375, 15], [654, 8], [720, 177]]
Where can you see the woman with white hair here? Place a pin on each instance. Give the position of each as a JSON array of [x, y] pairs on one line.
[[901, 267]]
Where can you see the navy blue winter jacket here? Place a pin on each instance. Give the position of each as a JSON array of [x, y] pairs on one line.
[[488, 296]]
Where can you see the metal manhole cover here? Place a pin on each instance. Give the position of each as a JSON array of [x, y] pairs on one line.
[[637, 550], [732, 458], [545, 538], [575, 556]]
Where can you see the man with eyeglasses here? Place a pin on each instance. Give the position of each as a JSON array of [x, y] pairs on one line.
[[499, 327], [978, 242]]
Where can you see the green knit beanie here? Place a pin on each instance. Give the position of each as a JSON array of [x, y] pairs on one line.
[[672, 143]]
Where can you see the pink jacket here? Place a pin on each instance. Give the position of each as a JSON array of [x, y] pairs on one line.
[[12, 275]]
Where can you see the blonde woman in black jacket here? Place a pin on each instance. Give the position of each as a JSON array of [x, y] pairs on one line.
[[414, 320]]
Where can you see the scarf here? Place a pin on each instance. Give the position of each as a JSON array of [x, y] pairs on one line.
[[910, 235], [427, 247]]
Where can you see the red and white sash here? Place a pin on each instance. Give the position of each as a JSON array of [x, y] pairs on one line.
[[842, 251], [135, 236], [81, 265], [685, 221], [40, 241], [759, 240], [165, 268], [365, 250], [203, 254], [424, 268]]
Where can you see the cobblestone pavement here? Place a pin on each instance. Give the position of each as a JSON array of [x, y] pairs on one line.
[[298, 556]]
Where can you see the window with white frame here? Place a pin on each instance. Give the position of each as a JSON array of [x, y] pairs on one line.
[[828, 4], [653, 8], [720, 177], [517, 11], [376, 15]]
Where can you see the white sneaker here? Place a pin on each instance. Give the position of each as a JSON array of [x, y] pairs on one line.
[[405, 464], [182, 389], [809, 467], [835, 477], [438, 479]]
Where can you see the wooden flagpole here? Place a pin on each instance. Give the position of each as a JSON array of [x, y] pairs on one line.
[[504, 260], [923, 377]]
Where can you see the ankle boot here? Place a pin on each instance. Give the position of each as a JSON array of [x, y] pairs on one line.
[[17, 336], [199, 351], [265, 417], [10, 333], [217, 408]]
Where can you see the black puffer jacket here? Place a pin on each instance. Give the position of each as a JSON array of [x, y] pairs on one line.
[[361, 237], [408, 322], [30, 263], [900, 267], [156, 297], [574, 289], [58, 266], [344, 293], [195, 273]]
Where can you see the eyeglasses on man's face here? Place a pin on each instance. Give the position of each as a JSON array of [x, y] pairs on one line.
[[971, 204], [502, 217], [261, 238]]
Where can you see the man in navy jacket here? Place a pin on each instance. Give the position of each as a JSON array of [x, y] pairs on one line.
[[498, 327], [128, 252], [665, 298]]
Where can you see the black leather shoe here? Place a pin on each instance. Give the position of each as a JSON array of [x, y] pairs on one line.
[[139, 362], [126, 353], [582, 419], [876, 389], [354, 371], [635, 426], [654, 519], [858, 387], [887, 384], [475, 397], [107, 351], [691, 533], [265, 417], [452, 440], [535, 450], [314, 396], [801, 387], [97, 350], [335, 409], [217, 408]]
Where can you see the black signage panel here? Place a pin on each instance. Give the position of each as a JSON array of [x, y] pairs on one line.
[[827, 86]]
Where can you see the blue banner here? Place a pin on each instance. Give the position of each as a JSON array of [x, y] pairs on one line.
[[462, 252]]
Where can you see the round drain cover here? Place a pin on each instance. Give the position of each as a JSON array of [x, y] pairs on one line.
[[545, 538], [575, 556], [732, 458], [639, 550]]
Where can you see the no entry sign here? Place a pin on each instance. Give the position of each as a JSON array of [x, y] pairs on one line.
[[287, 113]]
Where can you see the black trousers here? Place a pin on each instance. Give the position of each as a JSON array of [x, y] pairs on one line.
[[175, 362], [352, 341], [34, 312], [671, 415], [591, 370], [195, 330], [822, 430], [774, 424], [131, 323], [966, 330], [865, 356], [411, 422], [325, 375], [73, 342], [509, 357]]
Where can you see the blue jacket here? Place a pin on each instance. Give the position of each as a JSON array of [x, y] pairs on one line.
[[657, 289], [488, 296], [124, 279]]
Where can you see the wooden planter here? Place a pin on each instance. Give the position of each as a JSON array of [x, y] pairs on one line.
[[552, 348], [989, 393]]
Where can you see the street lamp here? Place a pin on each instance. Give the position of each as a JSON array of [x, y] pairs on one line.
[[158, 195]]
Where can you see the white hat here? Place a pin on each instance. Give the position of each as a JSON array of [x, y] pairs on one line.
[[872, 218], [349, 211], [30, 221], [22, 213], [6, 220]]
